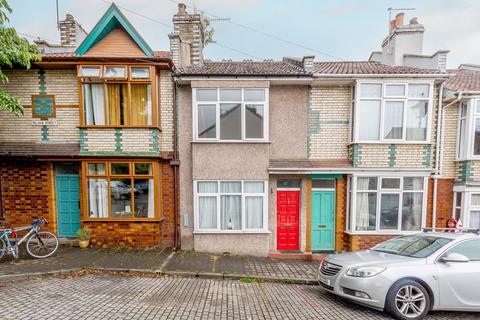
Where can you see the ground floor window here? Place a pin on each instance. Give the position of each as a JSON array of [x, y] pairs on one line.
[[120, 189], [230, 206], [466, 208], [386, 204]]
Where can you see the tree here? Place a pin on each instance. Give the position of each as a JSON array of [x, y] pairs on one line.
[[14, 51]]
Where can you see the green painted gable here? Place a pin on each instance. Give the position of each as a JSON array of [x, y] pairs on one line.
[[112, 18]]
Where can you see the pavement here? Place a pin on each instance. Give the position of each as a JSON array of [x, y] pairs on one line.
[[160, 261], [106, 296]]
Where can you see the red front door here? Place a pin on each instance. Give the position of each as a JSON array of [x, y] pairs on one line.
[[288, 204]]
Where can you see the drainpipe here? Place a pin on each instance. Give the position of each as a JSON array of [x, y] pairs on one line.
[[176, 163], [439, 151]]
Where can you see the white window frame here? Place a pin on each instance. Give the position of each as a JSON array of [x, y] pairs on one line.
[[379, 191], [217, 103], [466, 206], [243, 195], [383, 98], [470, 117]]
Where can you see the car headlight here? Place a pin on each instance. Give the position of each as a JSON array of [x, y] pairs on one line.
[[364, 272]]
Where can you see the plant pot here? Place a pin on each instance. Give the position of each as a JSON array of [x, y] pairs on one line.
[[83, 243]]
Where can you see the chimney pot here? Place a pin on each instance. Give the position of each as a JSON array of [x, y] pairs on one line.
[[413, 21], [399, 19], [182, 8]]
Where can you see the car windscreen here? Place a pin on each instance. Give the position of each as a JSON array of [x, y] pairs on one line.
[[414, 246]]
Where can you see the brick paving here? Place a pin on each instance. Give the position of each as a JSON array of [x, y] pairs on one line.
[[118, 297], [162, 260]]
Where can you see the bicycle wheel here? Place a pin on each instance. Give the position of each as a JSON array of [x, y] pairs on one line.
[[42, 244], [3, 248]]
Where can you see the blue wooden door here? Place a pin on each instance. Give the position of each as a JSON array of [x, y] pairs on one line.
[[323, 221], [68, 204]]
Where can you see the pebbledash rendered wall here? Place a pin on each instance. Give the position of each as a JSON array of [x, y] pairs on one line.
[[28, 188], [240, 161]]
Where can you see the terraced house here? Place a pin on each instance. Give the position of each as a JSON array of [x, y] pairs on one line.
[[95, 146], [300, 157], [459, 162]]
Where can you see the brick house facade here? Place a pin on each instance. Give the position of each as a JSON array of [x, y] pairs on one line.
[[96, 144]]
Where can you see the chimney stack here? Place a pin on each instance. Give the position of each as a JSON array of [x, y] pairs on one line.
[[186, 40], [71, 32]]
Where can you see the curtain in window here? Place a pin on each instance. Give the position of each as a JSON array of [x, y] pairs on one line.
[[412, 210], [93, 104], [117, 104], [207, 187], [363, 207], [393, 120], [97, 198], [207, 207], [369, 119], [474, 220], [141, 102], [231, 212], [254, 212]]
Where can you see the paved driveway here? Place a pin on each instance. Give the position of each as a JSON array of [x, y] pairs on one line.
[[118, 297]]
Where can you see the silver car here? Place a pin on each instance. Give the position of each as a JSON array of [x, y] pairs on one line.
[[410, 275]]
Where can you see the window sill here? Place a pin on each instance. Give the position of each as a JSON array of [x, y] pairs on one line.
[[390, 142], [229, 142], [381, 233], [119, 127], [149, 220], [232, 232]]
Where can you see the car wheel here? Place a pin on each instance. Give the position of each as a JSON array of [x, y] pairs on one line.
[[407, 300]]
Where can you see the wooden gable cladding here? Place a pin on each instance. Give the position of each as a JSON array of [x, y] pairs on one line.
[[117, 43]]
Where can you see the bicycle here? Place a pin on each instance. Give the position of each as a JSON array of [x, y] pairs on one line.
[[40, 244]]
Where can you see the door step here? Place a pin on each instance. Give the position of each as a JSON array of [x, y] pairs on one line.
[[69, 242], [296, 256]]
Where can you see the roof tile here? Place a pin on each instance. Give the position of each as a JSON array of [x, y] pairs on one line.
[[462, 79]]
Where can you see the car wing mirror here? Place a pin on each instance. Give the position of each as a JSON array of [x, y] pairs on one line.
[[454, 257]]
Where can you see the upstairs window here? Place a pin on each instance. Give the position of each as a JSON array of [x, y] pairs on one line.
[[469, 129], [230, 114], [392, 112], [117, 96]]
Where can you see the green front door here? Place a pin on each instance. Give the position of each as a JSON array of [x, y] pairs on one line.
[[323, 221], [68, 204]]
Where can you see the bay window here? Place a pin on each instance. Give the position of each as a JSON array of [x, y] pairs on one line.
[[117, 96], [230, 206], [120, 190], [230, 114], [387, 204], [469, 129], [392, 112], [466, 208]]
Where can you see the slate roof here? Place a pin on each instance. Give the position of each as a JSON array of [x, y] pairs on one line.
[[365, 67], [463, 79], [232, 68], [26, 149], [282, 68]]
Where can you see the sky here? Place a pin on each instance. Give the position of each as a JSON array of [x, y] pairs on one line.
[[328, 29]]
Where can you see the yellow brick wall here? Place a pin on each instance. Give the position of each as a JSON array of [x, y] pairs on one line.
[[166, 111], [450, 132], [328, 122]]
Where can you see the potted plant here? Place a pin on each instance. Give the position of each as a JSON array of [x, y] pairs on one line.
[[84, 235]]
